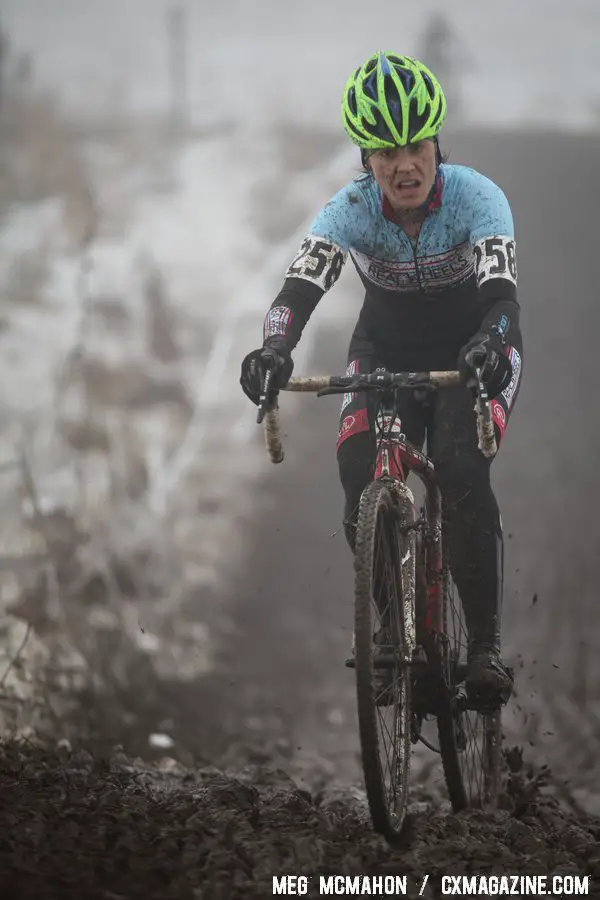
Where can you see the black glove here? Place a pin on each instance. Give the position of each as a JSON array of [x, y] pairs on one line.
[[482, 352], [275, 356]]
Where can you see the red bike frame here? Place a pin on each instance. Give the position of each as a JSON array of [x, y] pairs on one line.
[[395, 456]]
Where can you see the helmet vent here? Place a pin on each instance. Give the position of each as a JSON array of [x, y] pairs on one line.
[[371, 85], [352, 101]]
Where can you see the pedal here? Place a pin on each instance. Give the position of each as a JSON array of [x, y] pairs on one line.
[[388, 661], [385, 661], [391, 660], [419, 658]]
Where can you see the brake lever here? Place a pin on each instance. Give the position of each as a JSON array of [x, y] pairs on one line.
[[485, 425], [482, 393], [264, 402]]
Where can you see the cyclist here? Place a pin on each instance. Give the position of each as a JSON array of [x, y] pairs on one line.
[[434, 246]]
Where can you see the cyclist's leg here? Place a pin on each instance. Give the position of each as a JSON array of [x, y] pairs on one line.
[[355, 446], [472, 523]]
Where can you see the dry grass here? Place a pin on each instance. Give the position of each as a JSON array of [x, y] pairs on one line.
[[80, 543], [38, 160]]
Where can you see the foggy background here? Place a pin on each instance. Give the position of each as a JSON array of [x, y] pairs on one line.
[[167, 587]]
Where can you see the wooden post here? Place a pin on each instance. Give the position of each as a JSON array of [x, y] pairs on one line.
[[178, 69]]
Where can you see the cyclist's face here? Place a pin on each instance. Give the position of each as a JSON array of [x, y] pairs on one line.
[[405, 174]]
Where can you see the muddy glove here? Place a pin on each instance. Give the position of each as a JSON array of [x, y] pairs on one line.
[[274, 355], [482, 352]]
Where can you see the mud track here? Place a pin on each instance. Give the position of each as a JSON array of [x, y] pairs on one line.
[[263, 778], [72, 827]]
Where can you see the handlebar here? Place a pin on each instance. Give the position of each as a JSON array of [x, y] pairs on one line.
[[375, 381]]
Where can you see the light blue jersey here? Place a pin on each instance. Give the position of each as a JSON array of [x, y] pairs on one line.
[[424, 298], [469, 229]]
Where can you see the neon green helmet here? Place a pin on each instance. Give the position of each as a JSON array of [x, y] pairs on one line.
[[392, 101]]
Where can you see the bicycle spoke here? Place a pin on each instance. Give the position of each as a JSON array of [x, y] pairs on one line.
[[391, 772], [384, 689], [471, 762], [394, 732]]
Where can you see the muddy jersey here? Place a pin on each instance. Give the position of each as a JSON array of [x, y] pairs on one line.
[[424, 298]]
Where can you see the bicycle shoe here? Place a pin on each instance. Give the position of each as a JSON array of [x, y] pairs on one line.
[[488, 682]]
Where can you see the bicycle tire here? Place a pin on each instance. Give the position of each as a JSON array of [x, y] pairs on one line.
[[379, 537], [470, 741]]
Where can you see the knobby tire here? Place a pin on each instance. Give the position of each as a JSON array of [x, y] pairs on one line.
[[384, 591], [470, 741]]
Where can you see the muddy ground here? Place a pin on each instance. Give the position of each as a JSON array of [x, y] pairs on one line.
[[72, 826], [260, 775]]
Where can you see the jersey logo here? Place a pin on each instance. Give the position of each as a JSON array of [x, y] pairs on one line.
[[436, 272], [495, 258], [509, 392], [277, 321], [318, 261]]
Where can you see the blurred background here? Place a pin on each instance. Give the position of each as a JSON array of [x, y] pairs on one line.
[[162, 585]]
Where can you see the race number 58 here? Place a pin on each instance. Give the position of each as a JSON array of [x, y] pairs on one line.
[[495, 258]]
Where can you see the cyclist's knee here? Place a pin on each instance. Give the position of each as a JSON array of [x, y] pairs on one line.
[[355, 467], [464, 475], [355, 461]]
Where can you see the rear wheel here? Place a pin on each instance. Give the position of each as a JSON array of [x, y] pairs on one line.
[[470, 740], [384, 640]]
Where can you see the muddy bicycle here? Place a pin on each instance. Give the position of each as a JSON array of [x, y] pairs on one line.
[[410, 636]]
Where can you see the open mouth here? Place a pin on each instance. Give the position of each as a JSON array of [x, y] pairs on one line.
[[411, 184]]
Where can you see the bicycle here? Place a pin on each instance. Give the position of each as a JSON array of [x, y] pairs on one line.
[[407, 624]]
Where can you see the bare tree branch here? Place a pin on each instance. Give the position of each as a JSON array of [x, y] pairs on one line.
[[16, 656]]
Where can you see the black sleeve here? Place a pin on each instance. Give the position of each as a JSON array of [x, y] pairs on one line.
[[313, 271], [501, 323], [291, 310], [501, 319]]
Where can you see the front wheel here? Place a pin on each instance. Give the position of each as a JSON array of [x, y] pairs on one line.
[[384, 639]]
